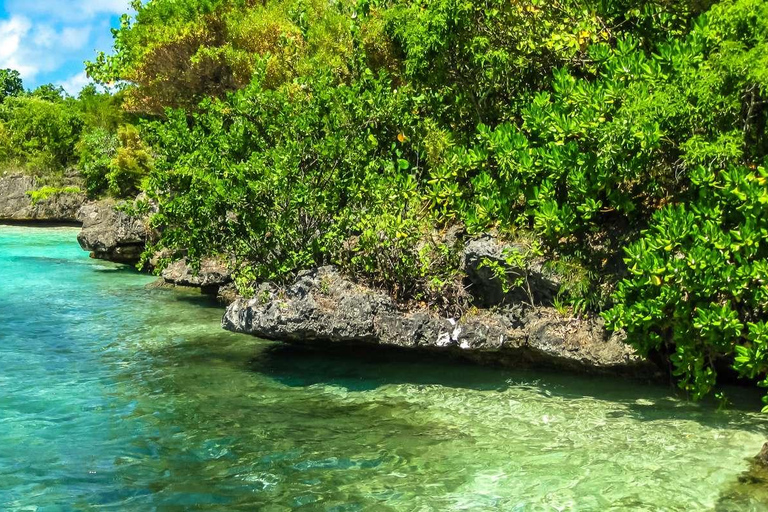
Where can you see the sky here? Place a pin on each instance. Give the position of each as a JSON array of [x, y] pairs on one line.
[[47, 41]]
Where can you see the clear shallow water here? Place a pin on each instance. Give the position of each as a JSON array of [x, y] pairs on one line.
[[115, 396]]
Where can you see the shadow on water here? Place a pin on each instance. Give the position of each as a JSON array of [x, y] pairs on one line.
[[44, 260], [193, 297], [361, 368], [40, 224], [366, 368]]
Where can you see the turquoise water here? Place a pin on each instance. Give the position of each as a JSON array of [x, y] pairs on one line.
[[116, 396]]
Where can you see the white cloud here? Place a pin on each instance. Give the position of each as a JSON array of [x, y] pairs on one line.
[[31, 49], [74, 84], [68, 38], [74, 38], [12, 32], [43, 36]]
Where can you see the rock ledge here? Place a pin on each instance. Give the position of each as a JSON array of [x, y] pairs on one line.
[[322, 306], [16, 204], [213, 277], [109, 233]]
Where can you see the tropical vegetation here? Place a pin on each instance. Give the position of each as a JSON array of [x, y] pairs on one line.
[[626, 139]]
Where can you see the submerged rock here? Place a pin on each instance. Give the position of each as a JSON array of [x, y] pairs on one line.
[[750, 488], [17, 204], [322, 306], [762, 457], [110, 233]]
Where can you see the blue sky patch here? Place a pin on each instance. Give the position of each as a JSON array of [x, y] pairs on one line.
[[47, 41]]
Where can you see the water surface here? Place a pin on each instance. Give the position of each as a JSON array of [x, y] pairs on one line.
[[118, 396]]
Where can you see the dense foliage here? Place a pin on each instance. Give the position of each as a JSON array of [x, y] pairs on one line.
[[10, 83], [38, 133], [699, 279], [47, 133], [623, 140]]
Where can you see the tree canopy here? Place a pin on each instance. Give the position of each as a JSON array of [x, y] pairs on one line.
[[10, 83]]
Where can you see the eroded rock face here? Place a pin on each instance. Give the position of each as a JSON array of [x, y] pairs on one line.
[[487, 289], [109, 233], [324, 307], [210, 278], [16, 203]]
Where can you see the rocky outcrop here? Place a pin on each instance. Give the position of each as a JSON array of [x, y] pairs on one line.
[[59, 204], [212, 277], [111, 233], [324, 307], [487, 289]]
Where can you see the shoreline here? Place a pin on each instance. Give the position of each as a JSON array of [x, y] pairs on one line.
[[522, 358], [325, 307]]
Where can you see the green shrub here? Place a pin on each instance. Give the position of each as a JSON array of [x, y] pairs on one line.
[[114, 163], [698, 285], [97, 150], [41, 135], [280, 178], [45, 193], [179, 53], [131, 164], [10, 83], [49, 92], [620, 144], [101, 109]]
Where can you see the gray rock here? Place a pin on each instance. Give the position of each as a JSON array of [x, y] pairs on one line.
[[487, 290], [17, 205], [324, 307], [212, 275], [227, 294], [109, 233]]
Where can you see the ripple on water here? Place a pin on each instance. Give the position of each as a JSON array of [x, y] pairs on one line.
[[114, 396]]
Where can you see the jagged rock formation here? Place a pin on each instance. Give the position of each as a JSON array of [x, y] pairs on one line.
[[487, 290], [322, 306], [16, 203], [213, 276], [110, 233]]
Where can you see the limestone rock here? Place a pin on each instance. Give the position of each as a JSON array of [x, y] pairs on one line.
[[110, 233], [212, 275], [487, 289], [16, 204], [322, 306]]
